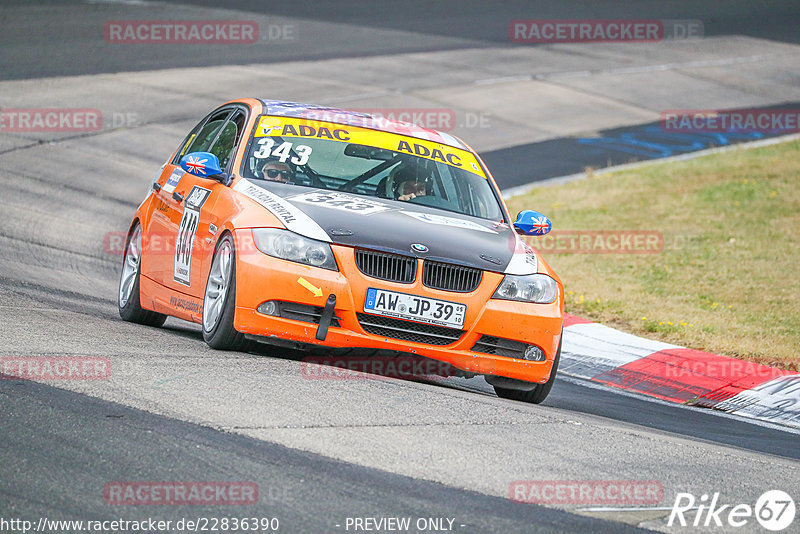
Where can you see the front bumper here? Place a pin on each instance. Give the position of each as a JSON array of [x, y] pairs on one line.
[[260, 278]]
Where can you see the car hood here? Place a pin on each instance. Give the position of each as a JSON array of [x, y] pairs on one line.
[[391, 226]]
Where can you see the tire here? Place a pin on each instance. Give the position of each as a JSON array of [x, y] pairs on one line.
[[219, 301], [538, 394], [128, 298]]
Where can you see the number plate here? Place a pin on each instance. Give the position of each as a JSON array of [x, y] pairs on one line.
[[416, 308]]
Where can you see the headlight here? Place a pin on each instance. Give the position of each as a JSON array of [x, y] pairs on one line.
[[294, 247], [538, 288]]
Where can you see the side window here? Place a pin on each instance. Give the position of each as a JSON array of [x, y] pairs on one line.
[[227, 139], [184, 148], [203, 140]]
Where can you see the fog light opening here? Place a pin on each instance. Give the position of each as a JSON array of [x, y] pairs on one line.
[[534, 354], [269, 308]]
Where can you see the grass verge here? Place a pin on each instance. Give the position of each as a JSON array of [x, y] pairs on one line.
[[727, 279]]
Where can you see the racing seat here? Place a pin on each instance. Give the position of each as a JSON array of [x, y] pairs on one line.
[[384, 189]]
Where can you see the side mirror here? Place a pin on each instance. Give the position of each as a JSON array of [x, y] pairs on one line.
[[531, 222], [203, 164]]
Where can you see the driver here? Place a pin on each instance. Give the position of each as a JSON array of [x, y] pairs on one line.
[[277, 172], [411, 189], [407, 185]]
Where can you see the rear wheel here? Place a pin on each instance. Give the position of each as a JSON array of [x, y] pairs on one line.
[[219, 301], [130, 308], [537, 394]]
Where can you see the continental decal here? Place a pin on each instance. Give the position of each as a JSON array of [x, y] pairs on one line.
[[306, 128]]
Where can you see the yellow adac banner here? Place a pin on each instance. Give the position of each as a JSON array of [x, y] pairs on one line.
[[270, 126]]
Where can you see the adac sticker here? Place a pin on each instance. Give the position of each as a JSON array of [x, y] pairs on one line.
[[290, 127]]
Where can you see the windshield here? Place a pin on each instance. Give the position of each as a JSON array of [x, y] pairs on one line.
[[369, 162]]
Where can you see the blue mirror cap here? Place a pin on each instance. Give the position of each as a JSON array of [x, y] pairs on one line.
[[531, 222], [203, 164]]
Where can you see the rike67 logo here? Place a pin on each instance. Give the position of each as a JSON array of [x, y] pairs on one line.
[[774, 510]]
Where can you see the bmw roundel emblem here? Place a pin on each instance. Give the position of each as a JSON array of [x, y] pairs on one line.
[[418, 247]]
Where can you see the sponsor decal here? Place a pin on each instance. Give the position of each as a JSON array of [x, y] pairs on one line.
[[292, 217], [184, 243], [173, 180], [434, 154], [55, 367], [421, 142], [448, 221], [185, 304], [124, 493], [523, 261], [212, 229], [162, 206], [320, 132], [341, 201], [197, 197]]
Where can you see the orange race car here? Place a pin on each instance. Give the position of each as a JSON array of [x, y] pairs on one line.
[[289, 223]]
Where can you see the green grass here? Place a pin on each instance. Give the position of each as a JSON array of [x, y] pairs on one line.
[[728, 277]]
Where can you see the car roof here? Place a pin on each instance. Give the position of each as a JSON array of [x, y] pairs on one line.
[[284, 108]]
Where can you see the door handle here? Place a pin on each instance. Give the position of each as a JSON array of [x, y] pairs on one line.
[[177, 196]]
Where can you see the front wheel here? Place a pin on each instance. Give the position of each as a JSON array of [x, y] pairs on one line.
[[220, 297], [130, 306], [538, 394]]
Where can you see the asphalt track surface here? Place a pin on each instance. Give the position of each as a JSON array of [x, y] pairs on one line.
[[29, 48], [306, 492], [321, 451]]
